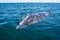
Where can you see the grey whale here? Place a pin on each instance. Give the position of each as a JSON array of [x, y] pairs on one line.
[[31, 19]]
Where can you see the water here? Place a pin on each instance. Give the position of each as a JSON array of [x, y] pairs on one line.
[[12, 13]]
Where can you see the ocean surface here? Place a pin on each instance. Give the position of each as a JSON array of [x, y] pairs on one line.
[[12, 13]]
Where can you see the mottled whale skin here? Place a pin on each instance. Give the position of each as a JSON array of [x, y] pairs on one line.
[[31, 19]]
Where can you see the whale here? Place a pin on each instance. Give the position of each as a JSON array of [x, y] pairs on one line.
[[32, 19]]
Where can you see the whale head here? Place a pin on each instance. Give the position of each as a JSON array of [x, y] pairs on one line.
[[31, 19]]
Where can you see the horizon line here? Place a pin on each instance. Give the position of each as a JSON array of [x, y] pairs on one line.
[[29, 2]]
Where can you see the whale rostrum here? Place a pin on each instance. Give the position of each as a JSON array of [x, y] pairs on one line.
[[31, 19]]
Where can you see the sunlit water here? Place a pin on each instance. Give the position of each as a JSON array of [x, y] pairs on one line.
[[47, 29]]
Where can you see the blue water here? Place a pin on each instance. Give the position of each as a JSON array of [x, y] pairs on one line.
[[12, 13]]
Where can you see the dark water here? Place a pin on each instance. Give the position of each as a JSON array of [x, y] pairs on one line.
[[47, 29]]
